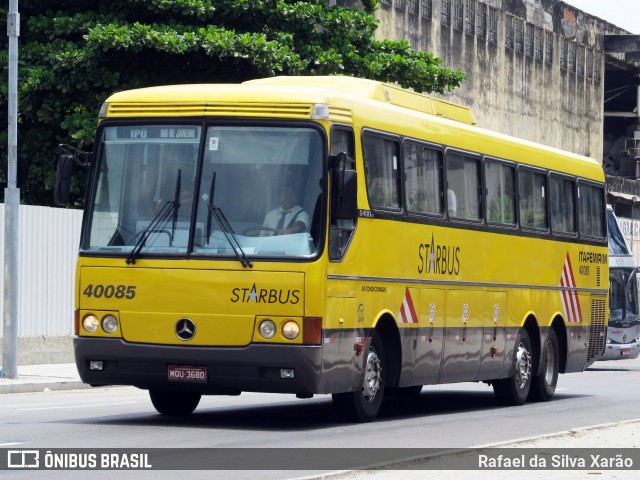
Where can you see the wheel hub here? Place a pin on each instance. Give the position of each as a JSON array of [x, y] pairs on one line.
[[523, 366], [372, 376]]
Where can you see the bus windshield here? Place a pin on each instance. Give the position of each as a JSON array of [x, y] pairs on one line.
[[617, 243], [623, 300], [224, 190]]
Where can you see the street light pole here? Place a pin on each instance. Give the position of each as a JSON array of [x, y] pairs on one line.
[[12, 207]]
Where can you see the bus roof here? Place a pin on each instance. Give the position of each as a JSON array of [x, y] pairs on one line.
[[301, 90], [293, 97]]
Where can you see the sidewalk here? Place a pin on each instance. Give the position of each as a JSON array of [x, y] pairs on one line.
[[39, 378], [623, 437]]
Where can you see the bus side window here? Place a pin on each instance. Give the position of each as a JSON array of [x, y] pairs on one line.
[[340, 230], [423, 184], [381, 157], [533, 199], [500, 184], [463, 179], [562, 202], [591, 210]]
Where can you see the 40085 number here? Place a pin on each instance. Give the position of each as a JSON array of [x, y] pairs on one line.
[[110, 291]]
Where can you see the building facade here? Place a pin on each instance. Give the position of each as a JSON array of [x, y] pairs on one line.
[[541, 70]]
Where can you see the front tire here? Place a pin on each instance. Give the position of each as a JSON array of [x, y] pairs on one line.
[[515, 389], [543, 386], [364, 404], [176, 404]]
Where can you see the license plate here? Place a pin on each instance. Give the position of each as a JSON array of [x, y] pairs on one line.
[[181, 373], [626, 351]]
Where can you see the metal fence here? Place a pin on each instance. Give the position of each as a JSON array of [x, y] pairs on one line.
[[49, 239]]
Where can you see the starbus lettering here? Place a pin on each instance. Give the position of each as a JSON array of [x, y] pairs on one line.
[[264, 295], [438, 259]]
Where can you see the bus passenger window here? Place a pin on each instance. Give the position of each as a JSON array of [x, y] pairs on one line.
[[463, 179], [591, 211], [500, 183], [423, 184], [533, 199], [381, 169], [562, 198]]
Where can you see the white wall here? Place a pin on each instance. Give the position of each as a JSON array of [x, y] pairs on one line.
[[49, 240]]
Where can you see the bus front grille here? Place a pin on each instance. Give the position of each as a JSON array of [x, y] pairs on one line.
[[213, 109], [301, 111]]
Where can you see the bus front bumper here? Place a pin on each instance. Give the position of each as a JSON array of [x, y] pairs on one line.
[[621, 351], [229, 371]]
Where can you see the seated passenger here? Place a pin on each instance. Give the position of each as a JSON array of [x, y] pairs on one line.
[[452, 206], [288, 217]]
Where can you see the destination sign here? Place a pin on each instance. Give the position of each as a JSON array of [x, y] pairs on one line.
[[159, 132]]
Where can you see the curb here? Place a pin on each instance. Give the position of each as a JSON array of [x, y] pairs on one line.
[[42, 387]]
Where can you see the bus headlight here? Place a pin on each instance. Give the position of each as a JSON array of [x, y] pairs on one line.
[[109, 324], [290, 330], [267, 328], [90, 323]]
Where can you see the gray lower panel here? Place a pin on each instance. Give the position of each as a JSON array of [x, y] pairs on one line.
[[255, 367]]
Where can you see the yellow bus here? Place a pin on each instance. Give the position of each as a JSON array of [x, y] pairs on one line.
[[331, 235]]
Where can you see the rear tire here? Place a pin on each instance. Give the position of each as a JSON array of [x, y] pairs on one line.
[[364, 404], [177, 404], [543, 385], [515, 389]]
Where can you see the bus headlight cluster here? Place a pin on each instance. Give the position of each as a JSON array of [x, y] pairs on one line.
[[290, 329], [109, 323], [91, 323], [267, 329]]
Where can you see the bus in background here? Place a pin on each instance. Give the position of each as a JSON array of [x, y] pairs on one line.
[[623, 331], [331, 235]]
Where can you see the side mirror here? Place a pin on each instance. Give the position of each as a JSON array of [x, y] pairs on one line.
[[67, 156], [344, 191], [63, 179]]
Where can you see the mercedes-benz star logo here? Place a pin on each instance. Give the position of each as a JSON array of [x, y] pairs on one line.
[[185, 329]]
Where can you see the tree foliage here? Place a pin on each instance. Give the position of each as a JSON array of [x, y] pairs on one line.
[[75, 53]]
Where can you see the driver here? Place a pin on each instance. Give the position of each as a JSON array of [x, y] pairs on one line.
[[288, 217]]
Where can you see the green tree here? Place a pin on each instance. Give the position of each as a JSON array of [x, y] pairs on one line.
[[75, 53]]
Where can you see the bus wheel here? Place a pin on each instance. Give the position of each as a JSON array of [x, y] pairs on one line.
[[544, 385], [515, 389], [363, 405], [174, 403]]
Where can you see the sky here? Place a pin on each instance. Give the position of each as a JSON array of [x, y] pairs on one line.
[[622, 13]]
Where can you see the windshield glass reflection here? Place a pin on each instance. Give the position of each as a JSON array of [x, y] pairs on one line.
[[255, 192]]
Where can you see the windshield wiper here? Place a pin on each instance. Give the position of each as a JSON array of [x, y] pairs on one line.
[[225, 226], [168, 210], [176, 203], [212, 190]]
